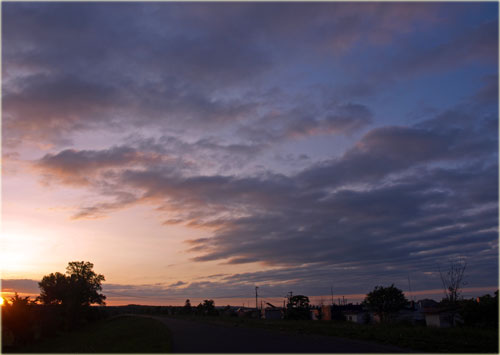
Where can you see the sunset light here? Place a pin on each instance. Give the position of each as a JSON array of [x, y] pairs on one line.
[[222, 178], [248, 152]]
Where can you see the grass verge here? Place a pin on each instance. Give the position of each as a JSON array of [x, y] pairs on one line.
[[122, 334], [419, 338]]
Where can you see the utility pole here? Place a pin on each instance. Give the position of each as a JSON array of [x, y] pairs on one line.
[[409, 285], [256, 296]]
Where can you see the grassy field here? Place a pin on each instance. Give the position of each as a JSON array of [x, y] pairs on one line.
[[420, 338], [123, 334]]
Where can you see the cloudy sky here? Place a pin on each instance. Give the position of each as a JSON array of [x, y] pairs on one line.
[[197, 150]]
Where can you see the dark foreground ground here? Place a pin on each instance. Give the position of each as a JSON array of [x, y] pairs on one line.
[[199, 337], [189, 334], [121, 334]]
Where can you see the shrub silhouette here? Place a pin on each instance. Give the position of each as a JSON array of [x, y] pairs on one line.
[[18, 321]]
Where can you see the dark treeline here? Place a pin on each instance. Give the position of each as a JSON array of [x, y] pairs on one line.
[[64, 304], [207, 308], [67, 302], [25, 321]]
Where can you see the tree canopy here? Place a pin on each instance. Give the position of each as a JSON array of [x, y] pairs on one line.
[[297, 307], [206, 308], [187, 307], [299, 301], [80, 286], [385, 301]]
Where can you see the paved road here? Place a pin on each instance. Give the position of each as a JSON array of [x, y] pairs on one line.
[[198, 337]]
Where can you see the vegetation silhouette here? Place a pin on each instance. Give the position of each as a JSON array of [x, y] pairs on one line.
[[75, 291], [80, 286], [453, 280], [187, 307], [17, 314], [207, 308], [385, 301], [297, 307], [67, 299], [481, 312]]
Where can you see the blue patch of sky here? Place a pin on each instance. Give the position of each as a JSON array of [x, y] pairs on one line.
[[475, 13], [436, 92]]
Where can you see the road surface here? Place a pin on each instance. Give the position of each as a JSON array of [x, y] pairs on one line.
[[199, 337]]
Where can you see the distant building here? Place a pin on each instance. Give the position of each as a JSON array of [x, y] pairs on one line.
[[326, 313], [441, 317], [315, 313], [248, 313], [358, 316], [273, 313], [419, 307], [425, 303]]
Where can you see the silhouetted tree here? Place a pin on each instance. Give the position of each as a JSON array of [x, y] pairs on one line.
[[199, 310], [187, 307], [297, 307], [75, 291], [385, 301], [54, 288], [453, 280], [80, 286], [209, 307]]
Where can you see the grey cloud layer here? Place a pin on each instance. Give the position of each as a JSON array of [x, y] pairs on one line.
[[405, 196], [182, 66], [211, 88]]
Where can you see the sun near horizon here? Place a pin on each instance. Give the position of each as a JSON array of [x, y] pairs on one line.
[[200, 150]]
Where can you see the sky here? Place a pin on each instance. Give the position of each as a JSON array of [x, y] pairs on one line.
[[198, 150]]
